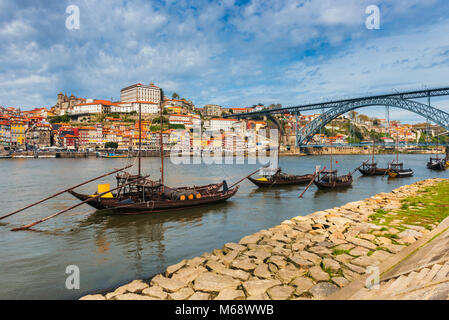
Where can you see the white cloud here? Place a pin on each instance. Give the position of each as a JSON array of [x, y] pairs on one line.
[[216, 53]]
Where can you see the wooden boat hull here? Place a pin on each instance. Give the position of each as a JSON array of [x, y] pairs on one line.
[[326, 185], [107, 202], [298, 180], [438, 166], [97, 203], [400, 174], [370, 172], [213, 187], [121, 207]]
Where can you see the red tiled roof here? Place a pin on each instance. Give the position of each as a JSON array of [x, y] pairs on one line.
[[222, 119]]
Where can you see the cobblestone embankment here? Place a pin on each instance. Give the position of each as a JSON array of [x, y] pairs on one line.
[[306, 257]]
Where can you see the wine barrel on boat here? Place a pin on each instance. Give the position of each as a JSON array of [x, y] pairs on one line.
[[174, 194]]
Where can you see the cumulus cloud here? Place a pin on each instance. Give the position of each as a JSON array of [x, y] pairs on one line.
[[224, 52]]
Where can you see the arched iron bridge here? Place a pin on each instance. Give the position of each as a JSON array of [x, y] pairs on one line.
[[339, 107]]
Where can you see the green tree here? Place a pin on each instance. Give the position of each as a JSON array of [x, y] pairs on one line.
[[57, 119], [111, 145], [175, 95], [158, 120], [177, 126]]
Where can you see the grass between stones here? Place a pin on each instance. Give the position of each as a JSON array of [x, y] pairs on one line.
[[427, 209], [337, 252]]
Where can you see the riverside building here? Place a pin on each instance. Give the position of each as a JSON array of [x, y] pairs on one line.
[[141, 92]]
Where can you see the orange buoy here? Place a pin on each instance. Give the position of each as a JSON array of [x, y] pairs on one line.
[[182, 197], [191, 196], [198, 195]]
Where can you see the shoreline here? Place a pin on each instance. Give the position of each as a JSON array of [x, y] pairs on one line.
[[80, 155], [305, 257]]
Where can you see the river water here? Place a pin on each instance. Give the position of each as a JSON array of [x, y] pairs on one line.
[[112, 250]]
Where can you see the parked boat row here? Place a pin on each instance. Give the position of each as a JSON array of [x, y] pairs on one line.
[[138, 194]]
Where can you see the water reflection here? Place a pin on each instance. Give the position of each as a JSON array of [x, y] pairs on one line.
[[144, 235], [334, 192], [111, 250]]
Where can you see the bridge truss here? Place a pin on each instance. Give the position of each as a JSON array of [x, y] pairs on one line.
[[337, 108]]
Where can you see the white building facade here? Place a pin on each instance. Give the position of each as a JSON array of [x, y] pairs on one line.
[[217, 124], [141, 92]]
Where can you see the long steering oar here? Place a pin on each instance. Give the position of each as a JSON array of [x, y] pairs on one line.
[[247, 176], [69, 208], [63, 191], [311, 181]]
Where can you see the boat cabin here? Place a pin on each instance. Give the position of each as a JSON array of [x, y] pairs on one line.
[[398, 166], [369, 166]]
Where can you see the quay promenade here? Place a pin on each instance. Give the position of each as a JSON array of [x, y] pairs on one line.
[[318, 256]]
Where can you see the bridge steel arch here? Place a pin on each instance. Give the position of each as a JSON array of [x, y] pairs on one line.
[[438, 116]]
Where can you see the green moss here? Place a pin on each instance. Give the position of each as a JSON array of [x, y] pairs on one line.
[[429, 207], [391, 236], [370, 253], [337, 252], [329, 272]]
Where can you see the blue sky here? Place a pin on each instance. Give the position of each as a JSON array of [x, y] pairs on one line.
[[232, 53]]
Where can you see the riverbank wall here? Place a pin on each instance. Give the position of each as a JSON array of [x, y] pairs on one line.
[[306, 257], [306, 151]]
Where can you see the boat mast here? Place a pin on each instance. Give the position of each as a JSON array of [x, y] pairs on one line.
[[438, 146], [161, 139], [330, 177], [279, 143], [140, 138], [332, 150], [397, 145]]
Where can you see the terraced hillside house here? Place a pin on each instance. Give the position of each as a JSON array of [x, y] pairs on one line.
[[5, 133]]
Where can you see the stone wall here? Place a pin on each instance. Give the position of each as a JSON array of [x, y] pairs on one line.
[[306, 257]]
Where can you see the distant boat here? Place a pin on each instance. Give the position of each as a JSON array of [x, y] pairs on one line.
[[110, 155], [371, 169], [46, 156], [396, 170], [281, 179], [5, 156], [330, 180], [23, 156], [437, 163]]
